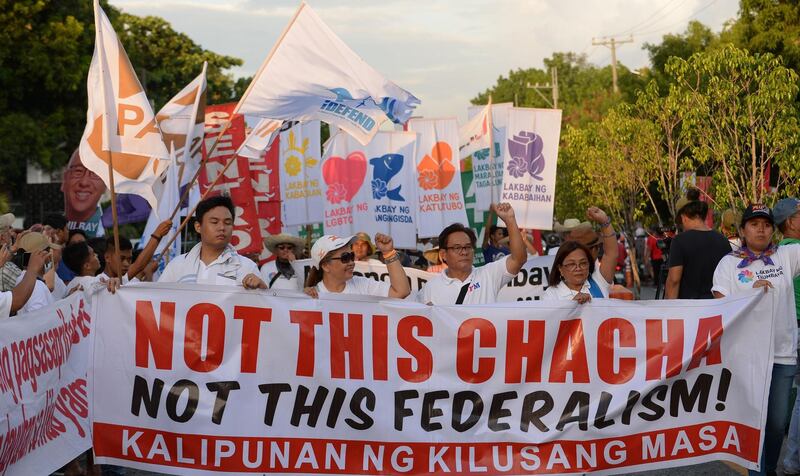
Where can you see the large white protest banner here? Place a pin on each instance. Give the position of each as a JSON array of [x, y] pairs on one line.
[[530, 152], [440, 197], [312, 74], [301, 174], [487, 170], [211, 379], [44, 407], [371, 187]]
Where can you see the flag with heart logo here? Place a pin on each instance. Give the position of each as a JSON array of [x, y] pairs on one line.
[[530, 152], [371, 188], [441, 199]]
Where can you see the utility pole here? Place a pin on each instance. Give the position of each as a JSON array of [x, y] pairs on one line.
[[612, 44], [552, 86]]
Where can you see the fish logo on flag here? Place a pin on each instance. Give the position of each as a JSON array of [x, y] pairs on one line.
[[120, 124], [385, 171], [320, 78]]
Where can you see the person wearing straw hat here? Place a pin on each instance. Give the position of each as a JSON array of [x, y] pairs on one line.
[[364, 249], [333, 264], [31, 244], [435, 263], [279, 273], [566, 229]]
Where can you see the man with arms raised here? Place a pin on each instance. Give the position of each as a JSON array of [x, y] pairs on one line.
[[213, 260], [460, 283]]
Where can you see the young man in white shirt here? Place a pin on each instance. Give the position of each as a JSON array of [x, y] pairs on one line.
[[130, 270], [460, 283], [213, 260]]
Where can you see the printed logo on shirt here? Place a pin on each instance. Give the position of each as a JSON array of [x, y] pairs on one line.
[[474, 286], [746, 276]]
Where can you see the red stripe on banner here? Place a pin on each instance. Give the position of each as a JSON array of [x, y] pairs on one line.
[[303, 455]]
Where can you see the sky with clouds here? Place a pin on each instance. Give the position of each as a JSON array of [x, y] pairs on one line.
[[443, 51]]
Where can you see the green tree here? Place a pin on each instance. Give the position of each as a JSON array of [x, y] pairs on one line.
[[740, 115], [769, 26], [45, 50], [695, 39]]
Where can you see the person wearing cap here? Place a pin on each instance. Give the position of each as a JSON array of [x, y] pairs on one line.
[[46, 290], [461, 283], [333, 263], [787, 219], [577, 274], [213, 260], [279, 273], [9, 271], [694, 252], [759, 263]]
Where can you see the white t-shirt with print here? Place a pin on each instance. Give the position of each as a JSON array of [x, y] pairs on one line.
[[484, 284], [729, 280], [360, 285]]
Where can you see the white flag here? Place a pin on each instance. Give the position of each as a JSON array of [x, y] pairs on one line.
[[311, 74], [120, 124], [371, 187], [166, 204], [259, 138], [181, 122], [530, 154], [301, 174], [440, 196], [487, 170]]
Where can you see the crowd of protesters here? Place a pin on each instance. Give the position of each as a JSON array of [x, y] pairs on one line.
[[48, 262]]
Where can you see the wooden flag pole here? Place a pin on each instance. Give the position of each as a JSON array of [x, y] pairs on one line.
[[117, 258], [490, 125]]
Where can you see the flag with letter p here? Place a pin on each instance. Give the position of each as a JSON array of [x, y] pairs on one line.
[[120, 124], [311, 74]]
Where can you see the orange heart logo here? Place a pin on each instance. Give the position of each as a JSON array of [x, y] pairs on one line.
[[436, 170]]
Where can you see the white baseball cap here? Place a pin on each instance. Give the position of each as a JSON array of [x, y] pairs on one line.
[[326, 244]]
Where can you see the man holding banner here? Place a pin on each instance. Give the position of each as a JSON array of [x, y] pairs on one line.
[[461, 283], [213, 260]]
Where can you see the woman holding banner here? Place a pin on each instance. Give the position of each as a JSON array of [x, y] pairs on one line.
[[759, 263], [576, 273], [334, 262]]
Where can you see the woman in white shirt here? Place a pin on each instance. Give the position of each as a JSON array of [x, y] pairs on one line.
[[334, 261], [569, 278], [759, 263]]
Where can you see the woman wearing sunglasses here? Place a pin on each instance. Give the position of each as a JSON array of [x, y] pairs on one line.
[[334, 262]]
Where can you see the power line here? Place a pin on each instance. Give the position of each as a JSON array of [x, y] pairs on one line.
[[697, 12], [657, 15]]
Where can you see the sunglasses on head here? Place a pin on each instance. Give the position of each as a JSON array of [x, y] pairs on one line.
[[345, 258]]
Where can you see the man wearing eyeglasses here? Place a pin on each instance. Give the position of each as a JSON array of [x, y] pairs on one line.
[[82, 190], [461, 283]]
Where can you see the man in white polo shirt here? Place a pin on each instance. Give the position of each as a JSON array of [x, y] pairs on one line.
[[213, 260], [460, 283]]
